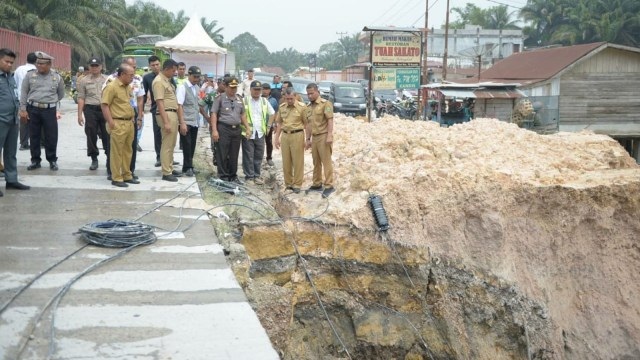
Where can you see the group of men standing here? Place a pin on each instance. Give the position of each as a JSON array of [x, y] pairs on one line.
[[111, 108]]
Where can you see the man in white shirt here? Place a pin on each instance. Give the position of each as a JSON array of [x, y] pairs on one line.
[[188, 115], [244, 89], [259, 116], [19, 75]]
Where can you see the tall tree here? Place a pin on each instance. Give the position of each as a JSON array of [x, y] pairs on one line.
[[249, 51], [211, 28]]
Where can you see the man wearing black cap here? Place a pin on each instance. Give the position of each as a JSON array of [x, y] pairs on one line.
[[259, 114], [227, 114], [188, 115], [89, 96]]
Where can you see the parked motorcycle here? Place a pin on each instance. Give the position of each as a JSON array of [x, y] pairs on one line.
[[404, 109], [379, 106]]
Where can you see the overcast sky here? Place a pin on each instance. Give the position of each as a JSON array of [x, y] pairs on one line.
[[306, 25]]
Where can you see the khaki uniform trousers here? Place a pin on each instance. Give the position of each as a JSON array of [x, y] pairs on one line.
[[168, 142], [321, 153], [120, 151], [292, 146]]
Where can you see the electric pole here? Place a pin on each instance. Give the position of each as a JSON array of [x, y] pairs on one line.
[[425, 45], [446, 45]]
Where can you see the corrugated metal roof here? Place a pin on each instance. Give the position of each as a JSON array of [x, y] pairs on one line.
[[498, 94], [458, 93], [537, 65]]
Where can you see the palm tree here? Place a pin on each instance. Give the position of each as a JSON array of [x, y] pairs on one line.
[[499, 17], [210, 28], [80, 23], [545, 17]]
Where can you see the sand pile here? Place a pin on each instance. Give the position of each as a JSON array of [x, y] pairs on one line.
[[418, 161]]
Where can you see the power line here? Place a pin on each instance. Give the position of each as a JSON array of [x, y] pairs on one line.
[[385, 13], [422, 15], [508, 5], [402, 13]]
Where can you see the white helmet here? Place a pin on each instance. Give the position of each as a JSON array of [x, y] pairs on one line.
[[81, 68]]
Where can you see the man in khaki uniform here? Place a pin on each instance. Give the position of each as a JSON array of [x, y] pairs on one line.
[[320, 129], [118, 112], [89, 97], [164, 92], [291, 120]]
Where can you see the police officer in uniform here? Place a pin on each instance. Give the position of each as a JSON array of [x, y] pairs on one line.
[[320, 140], [291, 120], [164, 92], [8, 120], [227, 113], [89, 94], [41, 91]]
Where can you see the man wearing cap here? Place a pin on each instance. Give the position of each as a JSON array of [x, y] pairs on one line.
[[209, 85], [41, 91], [188, 115], [276, 88], [20, 74], [245, 88], [9, 123], [89, 97], [206, 103], [164, 92], [320, 129], [259, 115], [266, 93], [227, 114], [291, 123], [119, 114]]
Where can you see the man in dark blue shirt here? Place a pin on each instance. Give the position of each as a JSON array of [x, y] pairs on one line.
[[9, 126]]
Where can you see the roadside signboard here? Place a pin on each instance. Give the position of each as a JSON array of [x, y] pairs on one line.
[[396, 78], [396, 49]]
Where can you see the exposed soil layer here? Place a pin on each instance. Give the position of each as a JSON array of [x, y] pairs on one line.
[[504, 244]]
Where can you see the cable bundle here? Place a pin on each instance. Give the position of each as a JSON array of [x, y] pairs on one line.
[[118, 233]]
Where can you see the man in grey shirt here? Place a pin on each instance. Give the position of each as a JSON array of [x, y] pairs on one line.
[[8, 120], [41, 91]]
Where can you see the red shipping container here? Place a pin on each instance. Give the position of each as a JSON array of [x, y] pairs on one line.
[[22, 44]]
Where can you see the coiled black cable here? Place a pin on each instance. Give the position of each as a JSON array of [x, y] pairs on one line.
[[116, 233]]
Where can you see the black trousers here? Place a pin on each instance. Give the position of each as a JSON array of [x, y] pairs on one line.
[[134, 145], [157, 133], [189, 142], [95, 124], [269, 143], [227, 151], [40, 119], [24, 133]]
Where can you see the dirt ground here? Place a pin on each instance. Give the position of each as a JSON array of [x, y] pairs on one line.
[[556, 215]]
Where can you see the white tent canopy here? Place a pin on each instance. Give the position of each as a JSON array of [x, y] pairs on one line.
[[194, 46]]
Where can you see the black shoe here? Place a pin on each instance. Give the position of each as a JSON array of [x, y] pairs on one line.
[[1, 173], [176, 163], [1, 194], [109, 177], [327, 192], [94, 165], [289, 188], [237, 181], [53, 166], [132, 181], [189, 173], [134, 176], [295, 190], [157, 163], [176, 173], [315, 188], [119, 183], [139, 148], [18, 186], [34, 165], [24, 147], [169, 178]]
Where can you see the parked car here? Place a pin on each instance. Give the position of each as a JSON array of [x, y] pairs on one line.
[[364, 83], [300, 86], [348, 98], [385, 95], [324, 87]]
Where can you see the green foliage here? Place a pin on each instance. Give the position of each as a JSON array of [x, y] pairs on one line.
[[496, 17], [249, 51]]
